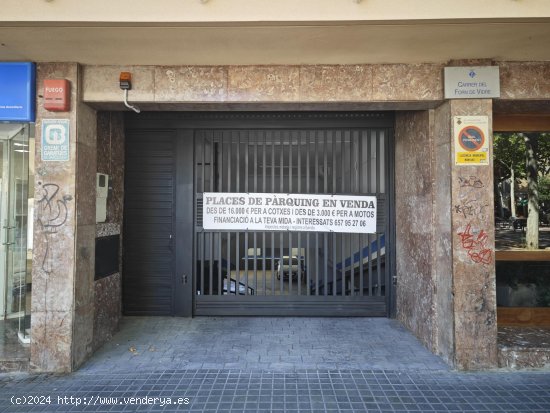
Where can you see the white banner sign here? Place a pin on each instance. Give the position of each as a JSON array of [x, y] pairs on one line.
[[289, 212]]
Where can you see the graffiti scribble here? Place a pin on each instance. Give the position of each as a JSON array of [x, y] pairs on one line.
[[52, 213], [476, 245], [470, 181], [470, 208]]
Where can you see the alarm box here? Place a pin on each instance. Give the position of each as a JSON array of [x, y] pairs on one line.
[[57, 95]]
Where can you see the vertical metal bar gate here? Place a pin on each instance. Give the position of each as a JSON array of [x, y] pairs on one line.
[[293, 273]]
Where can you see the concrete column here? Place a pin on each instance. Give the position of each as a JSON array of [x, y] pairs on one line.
[[64, 234], [474, 329]]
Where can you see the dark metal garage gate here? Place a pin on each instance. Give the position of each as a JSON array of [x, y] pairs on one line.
[[249, 272]]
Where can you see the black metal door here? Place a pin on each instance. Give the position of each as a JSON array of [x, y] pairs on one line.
[[293, 273], [149, 214]]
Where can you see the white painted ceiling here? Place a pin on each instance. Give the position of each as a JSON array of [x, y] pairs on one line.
[[275, 43]]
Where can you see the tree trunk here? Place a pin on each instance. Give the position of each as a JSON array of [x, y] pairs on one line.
[[500, 200], [513, 192], [532, 235]]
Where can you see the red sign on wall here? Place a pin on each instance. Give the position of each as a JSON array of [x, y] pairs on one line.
[[57, 95]]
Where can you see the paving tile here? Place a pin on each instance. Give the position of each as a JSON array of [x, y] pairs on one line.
[[214, 380], [258, 343]]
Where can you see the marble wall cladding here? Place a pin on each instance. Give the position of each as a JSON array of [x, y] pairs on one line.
[[407, 82], [62, 274], [83, 333], [86, 165], [104, 229], [470, 62], [263, 83], [84, 294], [110, 155], [86, 183], [101, 83], [292, 84], [443, 245], [190, 83], [115, 203], [107, 309], [526, 358], [103, 164], [443, 296], [84, 275], [414, 214], [53, 269], [55, 208], [525, 80], [51, 341], [336, 83], [403, 84], [474, 275], [86, 124]]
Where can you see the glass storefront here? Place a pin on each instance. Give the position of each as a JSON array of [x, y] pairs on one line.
[[16, 211]]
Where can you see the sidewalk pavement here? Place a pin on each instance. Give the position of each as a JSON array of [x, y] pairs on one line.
[[127, 376]]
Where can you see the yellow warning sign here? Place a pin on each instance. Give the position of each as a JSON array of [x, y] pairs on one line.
[[471, 158]]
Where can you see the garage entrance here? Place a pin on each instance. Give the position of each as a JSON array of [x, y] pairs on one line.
[[173, 265]]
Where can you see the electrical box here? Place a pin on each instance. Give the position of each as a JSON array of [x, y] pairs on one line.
[[57, 94], [102, 191]]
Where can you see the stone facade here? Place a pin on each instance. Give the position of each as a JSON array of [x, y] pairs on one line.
[[442, 237], [371, 85], [110, 160], [443, 296], [414, 210], [473, 235], [62, 293], [107, 305], [445, 293]]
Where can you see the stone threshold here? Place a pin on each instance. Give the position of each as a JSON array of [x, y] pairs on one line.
[[14, 356], [14, 366], [524, 348]]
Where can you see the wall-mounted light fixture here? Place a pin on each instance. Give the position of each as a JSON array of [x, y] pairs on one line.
[[125, 81]]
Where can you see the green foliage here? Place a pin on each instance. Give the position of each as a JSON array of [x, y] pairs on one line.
[[543, 155], [509, 151], [544, 189]]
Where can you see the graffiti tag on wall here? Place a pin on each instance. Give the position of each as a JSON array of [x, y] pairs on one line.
[[470, 181], [52, 214], [471, 208], [476, 244]]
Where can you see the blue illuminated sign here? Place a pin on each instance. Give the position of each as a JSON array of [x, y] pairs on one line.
[[17, 91]]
